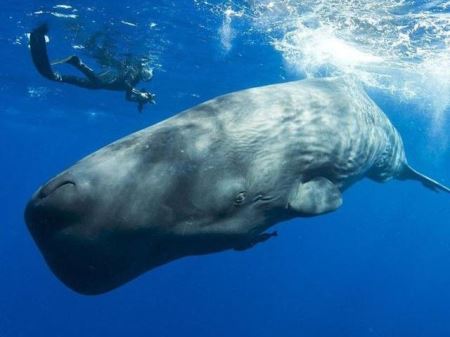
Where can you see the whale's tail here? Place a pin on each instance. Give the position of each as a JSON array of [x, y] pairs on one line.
[[410, 173]]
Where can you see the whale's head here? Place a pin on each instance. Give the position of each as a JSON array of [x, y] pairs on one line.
[[152, 197]]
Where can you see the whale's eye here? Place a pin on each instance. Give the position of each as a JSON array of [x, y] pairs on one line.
[[239, 199]]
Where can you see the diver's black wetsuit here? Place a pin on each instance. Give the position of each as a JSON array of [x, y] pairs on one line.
[[123, 80]]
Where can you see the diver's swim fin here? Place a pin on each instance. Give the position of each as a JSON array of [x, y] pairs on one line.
[[410, 173], [39, 54]]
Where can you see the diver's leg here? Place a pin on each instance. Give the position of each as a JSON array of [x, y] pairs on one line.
[[77, 63], [78, 81], [39, 54], [63, 61], [88, 72]]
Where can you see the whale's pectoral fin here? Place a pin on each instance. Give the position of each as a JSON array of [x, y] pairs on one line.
[[314, 197], [255, 240]]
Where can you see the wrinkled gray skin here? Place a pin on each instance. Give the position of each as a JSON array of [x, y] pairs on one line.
[[212, 178]]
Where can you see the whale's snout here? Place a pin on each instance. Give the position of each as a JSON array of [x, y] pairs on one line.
[[57, 217], [87, 238]]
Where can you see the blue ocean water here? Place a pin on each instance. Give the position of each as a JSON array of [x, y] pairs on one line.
[[379, 266]]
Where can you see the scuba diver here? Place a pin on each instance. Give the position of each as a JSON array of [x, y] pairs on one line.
[[124, 77]]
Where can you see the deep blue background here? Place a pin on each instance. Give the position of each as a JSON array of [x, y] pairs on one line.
[[379, 266]]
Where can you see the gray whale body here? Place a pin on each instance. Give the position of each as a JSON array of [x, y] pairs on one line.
[[212, 178]]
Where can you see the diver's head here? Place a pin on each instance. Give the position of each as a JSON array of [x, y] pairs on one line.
[[146, 73]]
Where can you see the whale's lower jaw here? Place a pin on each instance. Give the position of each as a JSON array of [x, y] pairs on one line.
[[88, 270]]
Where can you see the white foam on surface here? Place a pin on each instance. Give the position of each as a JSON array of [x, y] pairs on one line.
[[396, 46], [62, 6], [226, 30]]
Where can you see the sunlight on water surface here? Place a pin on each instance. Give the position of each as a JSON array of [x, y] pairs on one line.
[[399, 47]]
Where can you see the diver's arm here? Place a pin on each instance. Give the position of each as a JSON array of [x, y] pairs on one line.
[[140, 97], [129, 86]]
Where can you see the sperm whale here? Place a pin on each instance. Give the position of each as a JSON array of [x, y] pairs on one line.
[[214, 177]]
